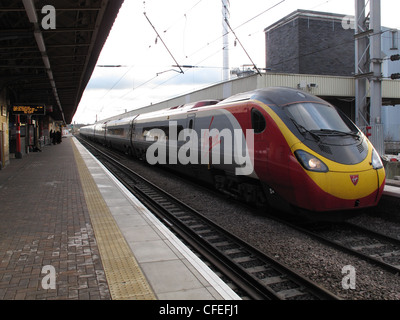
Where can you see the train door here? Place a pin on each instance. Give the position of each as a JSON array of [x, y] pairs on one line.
[[190, 121], [131, 136], [190, 126], [261, 143], [132, 130], [104, 132]]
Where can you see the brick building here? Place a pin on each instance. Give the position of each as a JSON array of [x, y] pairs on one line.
[[310, 42]]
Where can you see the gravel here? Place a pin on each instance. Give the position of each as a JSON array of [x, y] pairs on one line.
[[314, 260]]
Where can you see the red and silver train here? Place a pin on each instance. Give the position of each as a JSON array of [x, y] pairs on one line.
[[273, 145]]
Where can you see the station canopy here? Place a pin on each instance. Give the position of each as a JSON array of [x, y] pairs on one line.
[[49, 49]]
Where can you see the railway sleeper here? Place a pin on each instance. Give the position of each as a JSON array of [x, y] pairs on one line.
[[273, 280], [178, 212], [195, 224], [255, 271], [221, 243], [168, 206], [234, 251], [199, 227], [206, 231], [160, 200], [389, 254], [214, 238], [290, 293], [226, 247], [186, 218], [245, 259], [252, 262]]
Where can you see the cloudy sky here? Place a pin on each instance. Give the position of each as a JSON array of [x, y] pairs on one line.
[[192, 32]]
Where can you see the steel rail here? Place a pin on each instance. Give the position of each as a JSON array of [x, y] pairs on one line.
[[313, 233], [255, 273]]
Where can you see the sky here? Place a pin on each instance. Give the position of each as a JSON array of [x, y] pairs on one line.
[[192, 33]]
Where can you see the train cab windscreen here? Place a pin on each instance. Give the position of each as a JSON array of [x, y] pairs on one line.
[[320, 118]]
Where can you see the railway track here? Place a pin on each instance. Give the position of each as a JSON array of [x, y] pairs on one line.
[[255, 274], [366, 244]]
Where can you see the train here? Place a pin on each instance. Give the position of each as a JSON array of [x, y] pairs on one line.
[[275, 146]]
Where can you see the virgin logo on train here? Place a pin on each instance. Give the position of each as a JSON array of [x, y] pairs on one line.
[[354, 179]]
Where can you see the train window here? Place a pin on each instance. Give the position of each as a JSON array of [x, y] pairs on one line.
[[162, 132], [316, 116], [258, 121]]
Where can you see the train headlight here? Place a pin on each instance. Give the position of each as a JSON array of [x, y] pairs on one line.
[[310, 162], [376, 160]]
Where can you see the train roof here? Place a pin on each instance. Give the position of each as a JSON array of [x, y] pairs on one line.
[[278, 96], [121, 121], [180, 109]]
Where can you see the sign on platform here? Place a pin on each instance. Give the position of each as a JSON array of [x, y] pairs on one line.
[[38, 110]]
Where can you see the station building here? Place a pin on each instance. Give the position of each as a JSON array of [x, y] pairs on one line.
[[47, 56]]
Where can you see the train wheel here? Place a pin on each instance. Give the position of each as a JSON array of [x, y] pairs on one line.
[[248, 192]]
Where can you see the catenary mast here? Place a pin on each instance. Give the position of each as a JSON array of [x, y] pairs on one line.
[[369, 70], [225, 17]]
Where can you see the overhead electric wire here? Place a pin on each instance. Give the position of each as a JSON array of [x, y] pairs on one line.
[[158, 35], [142, 84], [195, 65], [171, 78], [120, 79], [283, 61], [270, 8], [235, 28], [255, 67], [184, 16], [209, 43]]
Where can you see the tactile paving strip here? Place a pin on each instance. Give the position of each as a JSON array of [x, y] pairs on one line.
[[124, 276]]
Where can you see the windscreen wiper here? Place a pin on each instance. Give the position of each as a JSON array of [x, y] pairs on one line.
[[303, 130], [336, 132]]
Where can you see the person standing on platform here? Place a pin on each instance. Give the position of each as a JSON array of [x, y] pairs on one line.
[[55, 137], [51, 136]]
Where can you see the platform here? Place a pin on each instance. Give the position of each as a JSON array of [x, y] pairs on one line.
[[70, 230]]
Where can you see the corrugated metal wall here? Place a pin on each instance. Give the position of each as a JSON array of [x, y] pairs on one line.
[[318, 85], [328, 86], [391, 121]]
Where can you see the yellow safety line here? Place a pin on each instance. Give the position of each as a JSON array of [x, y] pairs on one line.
[[124, 276]]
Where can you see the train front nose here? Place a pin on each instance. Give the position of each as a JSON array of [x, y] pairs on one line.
[[333, 191], [329, 186], [356, 189]]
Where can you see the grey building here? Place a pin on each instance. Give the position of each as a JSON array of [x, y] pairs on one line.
[[310, 42]]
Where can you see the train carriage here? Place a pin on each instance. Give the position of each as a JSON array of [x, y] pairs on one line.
[[100, 132], [265, 145], [118, 134]]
